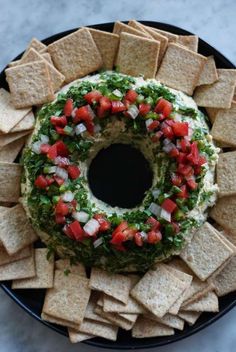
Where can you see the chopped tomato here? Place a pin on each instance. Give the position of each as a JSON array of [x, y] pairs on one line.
[[192, 184], [60, 121], [68, 108], [118, 238], [59, 180], [169, 205], [174, 153], [155, 225], [117, 106], [129, 233], [41, 182], [123, 226], [197, 170], [73, 171], [67, 231], [167, 131], [104, 107], [84, 113], [180, 129], [156, 137], [144, 109], [52, 152], [193, 156], [62, 149], [185, 145], [184, 169], [44, 148], [154, 237], [183, 193], [104, 223], [76, 230], [182, 157], [153, 125], [60, 130], [138, 239], [50, 180], [93, 96], [90, 126], [131, 96], [175, 227], [62, 161], [201, 160], [176, 179], [62, 208], [60, 219], [164, 107]]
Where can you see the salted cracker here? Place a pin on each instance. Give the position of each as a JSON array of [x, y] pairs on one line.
[[64, 265], [223, 213], [226, 174], [189, 41], [10, 177], [189, 317], [10, 151], [20, 269], [120, 27], [94, 328], [137, 25], [149, 328], [207, 303], [5, 258], [172, 38], [8, 138], [116, 319], [76, 336], [224, 126], [209, 73], [160, 38], [170, 320]]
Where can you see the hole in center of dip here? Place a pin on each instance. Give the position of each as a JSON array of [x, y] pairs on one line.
[[119, 175]]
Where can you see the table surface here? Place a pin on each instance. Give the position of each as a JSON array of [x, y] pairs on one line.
[[20, 20]]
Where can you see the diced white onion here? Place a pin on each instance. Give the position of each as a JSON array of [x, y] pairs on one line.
[[68, 196], [98, 242], [143, 235], [177, 117], [51, 169], [61, 160], [117, 93], [36, 147], [62, 173], [166, 141], [148, 122], [91, 113], [80, 216], [91, 227], [156, 192], [44, 139], [97, 128], [133, 111], [165, 215], [154, 209], [167, 148], [80, 128]]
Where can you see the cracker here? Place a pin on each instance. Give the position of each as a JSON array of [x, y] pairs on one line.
[[137, 56], [207, 303], [47, 57], [173, 321], [218, 94], [180, 68], [116, 319], [27, 123], [189, 41], [8, 138], [158, 290], [115, 285], [76, 336], [90, 309], [35, 44], [149, 328], [189, 317], [10, 177], [106, 331], [223, 212], [59, 321], [19, 269], [30, 84], [206, 252], [224, 126], [135, 24], [64, 264], [75, 55], [107, 44], [225, 282], [209, 73], [226, 174], [5, 258], [110, 304], [9, 116], [160, 38], [68, 298], [9, 153], [172, 38], [120, 27], [44, 272], [212, 113]]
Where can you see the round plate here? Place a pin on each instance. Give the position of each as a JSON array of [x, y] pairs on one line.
[[32, 300]]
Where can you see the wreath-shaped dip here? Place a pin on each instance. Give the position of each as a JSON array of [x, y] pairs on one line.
[[91, 114]]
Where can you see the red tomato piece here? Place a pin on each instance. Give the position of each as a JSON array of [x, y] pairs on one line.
[[169, 205], [62, 149], [175, 227], [60, 130], [131, 96], [62, 208], [59, 180], [104, 107], [155, 225], [44, 148], [41, 182], [77, 230], [192, 184], [193, 156], [153, 125], [118, 238], [50, 180], [167, 131], [164, 107], [117, 106], [129, 233], [174, 153], [104, 223], [144, 109], [185, 145], [120, 228], [68, 108], [180, 129], [157, 136], [201, 160], [52, 152], [93, 97], [182, 157], [73, 171], [67, 231], [90, 126], [84, 113], [60, 121], [176, 179], [184, 169], [138, 239], [60, 219], [154, 237], [183, 194]]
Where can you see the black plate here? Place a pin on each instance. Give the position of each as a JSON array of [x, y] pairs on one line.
[[32, 300]]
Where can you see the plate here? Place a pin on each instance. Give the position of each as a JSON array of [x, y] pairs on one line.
[[32, 300]]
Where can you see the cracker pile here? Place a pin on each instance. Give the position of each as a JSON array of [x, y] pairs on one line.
[[172, 293]]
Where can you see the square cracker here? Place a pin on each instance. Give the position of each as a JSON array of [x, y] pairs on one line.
[[9, 116], [180, 68], [76, 336], [64, 264], [10, 177], [209, 73], [90, 312], [68, 298], [158, 290], [5, 258], [206, 252], [8, 138], [30, 84], [223, 212], [107, 44], [120, 27], [19, 269], [207, 303], [27, 123], [149, 328], [137, 56], [226, 174], [36, 45], [116, 319], [189, 41], [44, 272], [115, 285], [173, 321], [59, 321], [189, 317], [16, 231], [9, 153], [224, 126], [218, 94], [76, 55], [160, 38], [212, 113], [172, 38], [135, 24], [106, 331]]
